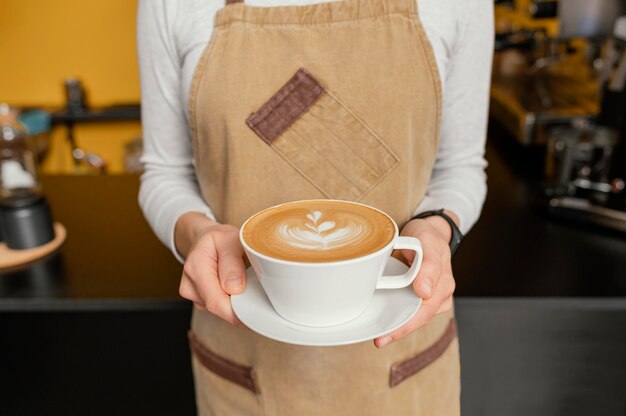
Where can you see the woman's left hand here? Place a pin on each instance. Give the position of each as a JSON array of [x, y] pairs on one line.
[[434, 282]]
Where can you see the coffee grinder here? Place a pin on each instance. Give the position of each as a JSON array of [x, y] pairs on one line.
[[25, 219]]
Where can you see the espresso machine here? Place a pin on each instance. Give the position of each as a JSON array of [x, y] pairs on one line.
[[546, 67], [586, 160]]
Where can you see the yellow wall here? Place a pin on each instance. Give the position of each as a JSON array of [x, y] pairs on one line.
[[42, 42]]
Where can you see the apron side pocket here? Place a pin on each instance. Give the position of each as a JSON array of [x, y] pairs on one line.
[[220, 366], [401, 371]]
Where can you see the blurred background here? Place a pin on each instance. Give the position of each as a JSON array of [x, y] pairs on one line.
[[90, 318], [80, 64]]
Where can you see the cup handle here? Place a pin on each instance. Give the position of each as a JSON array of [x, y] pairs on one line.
[[403, 280]]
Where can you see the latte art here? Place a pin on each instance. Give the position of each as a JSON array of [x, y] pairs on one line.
[[323, 236], [318, 231]]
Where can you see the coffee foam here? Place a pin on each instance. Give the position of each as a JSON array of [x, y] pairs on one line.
[[318, 231]]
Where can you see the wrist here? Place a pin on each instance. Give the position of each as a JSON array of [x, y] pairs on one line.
[[451, 233], [189, 227], [439, 225]]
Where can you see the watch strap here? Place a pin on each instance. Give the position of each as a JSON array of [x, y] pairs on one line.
[[457, 236]]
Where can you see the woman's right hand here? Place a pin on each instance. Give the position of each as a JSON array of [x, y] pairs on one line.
[[214, 268]]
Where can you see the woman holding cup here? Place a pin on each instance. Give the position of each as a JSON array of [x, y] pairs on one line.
[[382, 102]]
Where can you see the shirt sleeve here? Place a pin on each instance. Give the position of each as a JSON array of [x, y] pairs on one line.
[[458, 181], [168, 187]]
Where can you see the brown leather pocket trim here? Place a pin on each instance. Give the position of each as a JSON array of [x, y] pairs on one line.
[[286, 106], [237, 373], [402, 371]]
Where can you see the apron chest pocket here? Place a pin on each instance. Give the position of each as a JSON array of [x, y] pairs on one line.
[[322, 139]]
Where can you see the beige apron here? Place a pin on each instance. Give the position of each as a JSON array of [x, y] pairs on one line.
[[330, 100]]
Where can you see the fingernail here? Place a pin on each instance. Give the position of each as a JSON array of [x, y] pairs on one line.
[[232, 283], [427, 287], [384, 341]]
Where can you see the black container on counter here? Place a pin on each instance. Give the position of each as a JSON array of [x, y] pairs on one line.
[[26, 223], [25, 217]]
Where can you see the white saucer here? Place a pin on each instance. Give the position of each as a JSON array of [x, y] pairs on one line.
[[388, 310]]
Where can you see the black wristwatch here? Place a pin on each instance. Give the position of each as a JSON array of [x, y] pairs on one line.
[[457, 236]]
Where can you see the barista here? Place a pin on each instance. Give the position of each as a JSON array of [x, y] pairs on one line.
[[417, 74]]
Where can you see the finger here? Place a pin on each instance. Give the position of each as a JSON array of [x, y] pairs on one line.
[[187, 289], [397, 254], [448, 286], [445, 306], [423, 315], [231, 269], [429, 308], [425, 284], [440, 302], [409, 255], [203, 273]]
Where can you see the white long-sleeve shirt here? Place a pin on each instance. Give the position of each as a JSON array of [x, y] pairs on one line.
[[171, 36]]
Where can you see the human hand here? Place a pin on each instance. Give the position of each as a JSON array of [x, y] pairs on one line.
[[434, 282], [214, 268]]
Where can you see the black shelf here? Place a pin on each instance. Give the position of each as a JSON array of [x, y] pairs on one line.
[[130, 112]]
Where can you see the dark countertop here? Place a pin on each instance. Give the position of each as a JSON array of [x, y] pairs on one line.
[[112, 260], [516, 249]]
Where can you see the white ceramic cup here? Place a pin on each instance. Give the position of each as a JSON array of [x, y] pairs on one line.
[[325, 294]]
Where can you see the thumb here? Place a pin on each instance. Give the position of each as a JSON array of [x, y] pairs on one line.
[[231, 269]]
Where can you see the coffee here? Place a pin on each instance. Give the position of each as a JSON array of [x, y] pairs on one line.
[[318, 231], [314, 287]]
